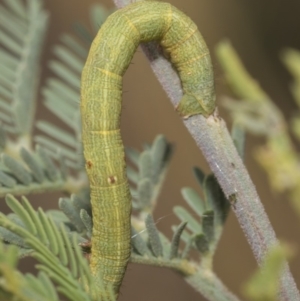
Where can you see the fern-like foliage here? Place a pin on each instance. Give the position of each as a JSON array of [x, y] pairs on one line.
[[58, 152], [205, 224], [201, 226], [200, 230], [45, 236], [77, 211], [265, 282], [38, 234], [62, 96], [22, 30], [155, 244], [54, 246], [35, 172], [60, 240], [19, 287], [148, 171]]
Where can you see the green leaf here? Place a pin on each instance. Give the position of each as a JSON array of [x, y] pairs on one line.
[[50, 168], [83, 33], [265, 283], [144, 192], [21, 34], [132, 175], [145, 165], [193, 199], [16, 207], [240, 81], [176, 240], [238, 137], [147, 181], [188, 247], [64, 169], [65, 91], [208, 225], [23, 288], [17, 7], [185, 216], [216, 199], [50, 238], [58, 216], [67, 56], [13, 239], [87, 221], [199, 175], [133, 155], [201, 243], [82, 202], [73, 44], [17, 169], [2, 138], [65, 73], [48, 285], [158, 151], [53, 148], [154, 240], [12, 256], [138, 243], [38, 285], [10, 43], [98, 14], [70, 211], [185, 236], [7, 180], [57, 133], [166, 245], [33, 165], [53, 265], [70, 253]]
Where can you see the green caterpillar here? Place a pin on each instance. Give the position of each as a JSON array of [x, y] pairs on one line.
[[101, 91]]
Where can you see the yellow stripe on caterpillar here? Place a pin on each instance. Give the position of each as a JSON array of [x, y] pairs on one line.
[[101, 89]]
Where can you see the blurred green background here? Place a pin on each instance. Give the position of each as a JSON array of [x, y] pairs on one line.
[[259, 31]]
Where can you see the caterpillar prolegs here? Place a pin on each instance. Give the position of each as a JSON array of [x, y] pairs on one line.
[[101, 90]]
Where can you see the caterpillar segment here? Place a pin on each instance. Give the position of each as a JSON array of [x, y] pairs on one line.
[[101, 90]]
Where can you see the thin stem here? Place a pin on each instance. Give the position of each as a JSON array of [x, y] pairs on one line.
[[182, 266], [33, 188], [70, 185], [213, 139], [202, 280], [209, 285]]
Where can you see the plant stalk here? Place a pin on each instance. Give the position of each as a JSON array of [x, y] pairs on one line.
[[209, 285], [201, 279], [212, 137]]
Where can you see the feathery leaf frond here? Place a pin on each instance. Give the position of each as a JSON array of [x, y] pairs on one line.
[[176, 240], [148, 172], [204, 226], [19, 287], [54, 247], [22, 30], [62, 95], [154, 239], [34, 172]]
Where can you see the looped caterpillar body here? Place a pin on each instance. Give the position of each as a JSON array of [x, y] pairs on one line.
[[101, 90]]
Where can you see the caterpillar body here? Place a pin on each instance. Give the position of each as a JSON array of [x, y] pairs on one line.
[[101, 90]]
